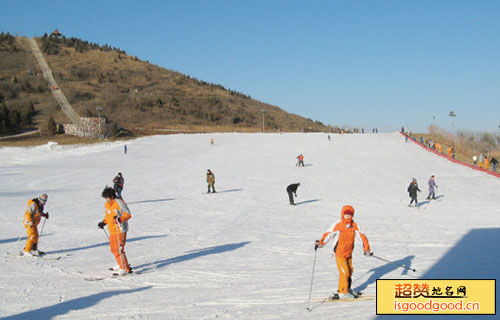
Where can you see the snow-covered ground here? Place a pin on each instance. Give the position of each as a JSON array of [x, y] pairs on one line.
[[243, 253]]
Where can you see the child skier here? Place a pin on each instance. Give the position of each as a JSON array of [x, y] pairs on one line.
[[301, 160], [118, 184], [211, 181], [346, 230], [32, 218], [432, 191], [117, 214], [412, 190]]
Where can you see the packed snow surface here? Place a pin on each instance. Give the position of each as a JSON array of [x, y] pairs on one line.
[[243, 253]]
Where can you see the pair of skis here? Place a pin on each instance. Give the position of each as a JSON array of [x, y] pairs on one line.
[[112, 276], [359, 297]]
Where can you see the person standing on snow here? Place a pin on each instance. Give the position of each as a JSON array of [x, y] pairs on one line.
[[32, 218], [292, 189], [125, 149], [211, 181], [432, 191], [118, 184], [116, 218], [474, 159], [412, 190], [301, 160], [346, 231], [494, 164]]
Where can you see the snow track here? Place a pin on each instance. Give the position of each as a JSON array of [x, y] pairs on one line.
[[242, 253]]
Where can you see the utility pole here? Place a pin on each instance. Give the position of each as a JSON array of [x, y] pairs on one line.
[[99, 110], [452, 115], [263, 120]]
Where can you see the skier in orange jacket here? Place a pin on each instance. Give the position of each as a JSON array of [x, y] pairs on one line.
[[300, 161], [32, 218], [116, 218], [346, 231]]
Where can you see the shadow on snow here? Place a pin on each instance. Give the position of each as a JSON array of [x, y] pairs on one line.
[[71, 305], [379, 272], [307, 201], [149, 201], [423, 203], [189, 255], [22, 238], [102, 244], [231, 190], [475, 256]]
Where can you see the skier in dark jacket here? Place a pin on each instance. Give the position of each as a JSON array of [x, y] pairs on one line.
[[292, 189], [494, 164], [118, 185], [412, 190]]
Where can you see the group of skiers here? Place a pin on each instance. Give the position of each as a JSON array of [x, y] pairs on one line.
[[117, 215], [484, 162], [413, 189], [116, 219]]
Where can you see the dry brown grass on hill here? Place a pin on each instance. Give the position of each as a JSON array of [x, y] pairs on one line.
[[466, 144], [132, 92]]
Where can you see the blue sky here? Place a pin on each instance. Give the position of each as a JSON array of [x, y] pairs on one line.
[[363, 63]]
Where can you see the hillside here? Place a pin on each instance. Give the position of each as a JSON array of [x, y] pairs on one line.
[[134, 93]]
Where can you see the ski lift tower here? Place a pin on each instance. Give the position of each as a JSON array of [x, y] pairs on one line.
[[452, 115], [263, 120]]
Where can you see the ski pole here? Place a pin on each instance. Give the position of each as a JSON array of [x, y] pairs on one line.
[[105, 233], [402, 198], [312, 280], [399, 265], [12, 246], [43, 226], [120, 247]]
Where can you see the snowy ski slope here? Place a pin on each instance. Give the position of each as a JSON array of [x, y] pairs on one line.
[[243, 253]]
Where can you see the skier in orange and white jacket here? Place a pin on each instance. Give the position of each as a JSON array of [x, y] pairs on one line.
[[346, 231], [116, 218]]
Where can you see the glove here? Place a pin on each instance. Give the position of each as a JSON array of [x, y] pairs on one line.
[[46, 215], [368, 253], [101, 224], [316, 245]]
